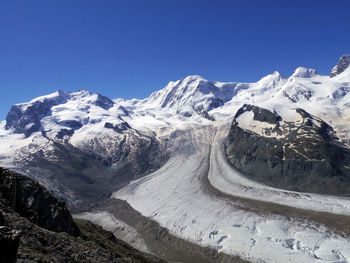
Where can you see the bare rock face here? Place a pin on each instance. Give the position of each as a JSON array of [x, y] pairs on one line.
[[9, 242], [104, 102], [26, 123], [34, 202], [343, 64], [27, 120], [301, 156], [30, 219], [119, 128]]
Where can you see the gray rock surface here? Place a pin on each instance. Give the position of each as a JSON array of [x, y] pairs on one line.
[[30, 219], [27, 120], [343, 64], [307, 157], [9, 242], [88, 174], [34, 202]]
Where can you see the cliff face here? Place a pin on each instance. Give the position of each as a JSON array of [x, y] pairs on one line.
[[9, 242], [343, 64], [303, 155], [34, 202], [36, 227]]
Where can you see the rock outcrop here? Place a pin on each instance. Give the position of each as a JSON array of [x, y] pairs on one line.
[[304, 155], [9, 242], [41, 228], [34, 202], [343, 64]]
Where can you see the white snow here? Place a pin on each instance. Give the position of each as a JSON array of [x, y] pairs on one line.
[[302, 72], [174, 197], [224, 178], [246, 121]]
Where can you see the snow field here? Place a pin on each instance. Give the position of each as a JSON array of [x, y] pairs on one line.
[[174, 196]]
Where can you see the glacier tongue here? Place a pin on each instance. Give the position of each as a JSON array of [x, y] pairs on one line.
[[177, 197]]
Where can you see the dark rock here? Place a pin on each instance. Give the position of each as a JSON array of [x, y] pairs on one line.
[[125, 111], [187, 114], [341, 92], [91, 173], [260, 114], [104, 102], [342, 65], [2, 220], [34, 202], [22, 237], [215, 103], [205, 114], [64, 132], [307, 158], [73, 124], [27, 121], [118, 127], [9, 242]]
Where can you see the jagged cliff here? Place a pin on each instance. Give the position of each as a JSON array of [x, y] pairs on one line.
[[36, 227], [301, 155]]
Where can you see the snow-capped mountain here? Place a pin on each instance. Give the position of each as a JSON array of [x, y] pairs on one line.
[[61, 111], [187, 98], [69, 139], [100, 126], [304, 155], [290, 133]]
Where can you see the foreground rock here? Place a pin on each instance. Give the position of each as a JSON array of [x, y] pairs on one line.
[[43, 230]]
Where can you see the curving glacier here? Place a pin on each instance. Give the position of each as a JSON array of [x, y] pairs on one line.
[[177, 198]]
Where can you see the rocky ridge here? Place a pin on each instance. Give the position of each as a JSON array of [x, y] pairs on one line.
[[42, 229], [304, 155], [343, 64]]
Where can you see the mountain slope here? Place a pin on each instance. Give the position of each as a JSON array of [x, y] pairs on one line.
[[47, 231], [160, 155], [77, 143], [95, 143], [304, 155]]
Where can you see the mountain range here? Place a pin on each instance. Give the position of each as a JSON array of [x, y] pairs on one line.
[[285, 136]]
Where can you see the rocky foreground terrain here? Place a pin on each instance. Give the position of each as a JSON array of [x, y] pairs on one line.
[[36, 227]]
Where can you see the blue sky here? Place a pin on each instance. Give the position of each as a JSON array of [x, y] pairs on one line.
[[131, 48]]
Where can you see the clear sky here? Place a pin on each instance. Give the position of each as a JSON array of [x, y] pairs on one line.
[[132, 48]]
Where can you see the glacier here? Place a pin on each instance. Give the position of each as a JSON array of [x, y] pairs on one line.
[[196, 194]]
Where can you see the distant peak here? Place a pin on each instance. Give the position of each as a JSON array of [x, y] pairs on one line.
[[275, 74], [61, 92], [302, 72], [185, 81], [193, 78], [83, 92], [342, 65], [271, 77]]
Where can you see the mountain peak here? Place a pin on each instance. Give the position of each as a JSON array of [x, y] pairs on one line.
[[26, 117], [193, 77], [271, 79], [302, 72], [342, 65]]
